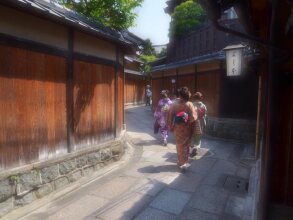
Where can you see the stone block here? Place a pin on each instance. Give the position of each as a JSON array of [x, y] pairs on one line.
[[61, 182], [235, 206], [6, 189], [49, 173], [88, 170], [192, 214], [44, 190], [94, 158], [81, 161], [116, 150], [67, 166], [6, 206], [29, 181], [171, 201], [25, 199], [106, 154], [75, 176], [155, 214], [209, 199]]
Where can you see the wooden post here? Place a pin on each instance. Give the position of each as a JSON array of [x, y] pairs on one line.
[[69, 93], [195, 78], [116, 110], [177, 81]]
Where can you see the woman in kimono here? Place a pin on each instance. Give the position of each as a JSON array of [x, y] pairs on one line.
[[200, 123], [182, 116], [161, 115]]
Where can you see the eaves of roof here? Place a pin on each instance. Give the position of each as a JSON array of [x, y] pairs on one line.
[[60, 14], [133, 72], [220, 55], [194, 60]]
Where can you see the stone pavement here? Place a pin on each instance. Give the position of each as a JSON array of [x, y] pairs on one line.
[[150, 185]]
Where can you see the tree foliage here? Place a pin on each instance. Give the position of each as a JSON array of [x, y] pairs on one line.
[[148, 48], [186, 17], [117, 14], [146, 67], [147, 55]]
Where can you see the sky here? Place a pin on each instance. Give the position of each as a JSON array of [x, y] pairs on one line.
[[152, 22]]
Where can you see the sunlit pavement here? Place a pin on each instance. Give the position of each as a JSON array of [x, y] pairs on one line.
[[151, 186]]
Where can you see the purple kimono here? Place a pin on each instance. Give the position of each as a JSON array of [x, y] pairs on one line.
[[161, 116]]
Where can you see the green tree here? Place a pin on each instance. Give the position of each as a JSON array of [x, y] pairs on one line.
[[146, 59], [147, 55], [117, 14], [186, 17], [148, 48]]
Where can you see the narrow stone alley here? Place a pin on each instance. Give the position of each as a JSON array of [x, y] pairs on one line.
[[147, 183]]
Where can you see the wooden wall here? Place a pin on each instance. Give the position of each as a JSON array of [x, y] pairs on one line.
[[157, 85], [135, 87], [32, 106], [121, 119], [93, 97], [208, 84], [56, 95]]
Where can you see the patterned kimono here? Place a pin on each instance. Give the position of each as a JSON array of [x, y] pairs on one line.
[[200, 123], [161, 116], [183, 131]]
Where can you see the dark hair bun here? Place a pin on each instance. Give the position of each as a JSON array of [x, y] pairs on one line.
[[184, 93]]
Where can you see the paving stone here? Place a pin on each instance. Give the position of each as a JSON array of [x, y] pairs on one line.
[[243, 172], [115, 187], [223, 166], [215, 179], [230, 217], [155, 214], [194, 214], [149, 187], [209, 199], [248, 206], [125, 207], [80, 209], [6, 189], [171, 201], [165, 178], [141, 169], [235, 206], [247, 217], [48, 174], [187, 182], [67, 166], [202, 165], [222, 150]]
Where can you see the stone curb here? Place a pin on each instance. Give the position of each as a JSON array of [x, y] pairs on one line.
[[83, 182]]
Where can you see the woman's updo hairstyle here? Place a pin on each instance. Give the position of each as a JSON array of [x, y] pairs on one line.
[[184, 93]]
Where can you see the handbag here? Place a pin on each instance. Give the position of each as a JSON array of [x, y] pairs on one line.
[[156, 127]]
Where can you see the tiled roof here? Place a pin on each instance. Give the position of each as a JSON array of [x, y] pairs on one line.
[[53, 11]]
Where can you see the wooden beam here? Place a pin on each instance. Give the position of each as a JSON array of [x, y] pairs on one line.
[[116, 110], [69, 93]]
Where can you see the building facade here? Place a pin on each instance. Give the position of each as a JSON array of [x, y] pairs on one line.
[[197, 60]]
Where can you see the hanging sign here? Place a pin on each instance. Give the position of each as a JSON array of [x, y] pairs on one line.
[[234, 59]]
